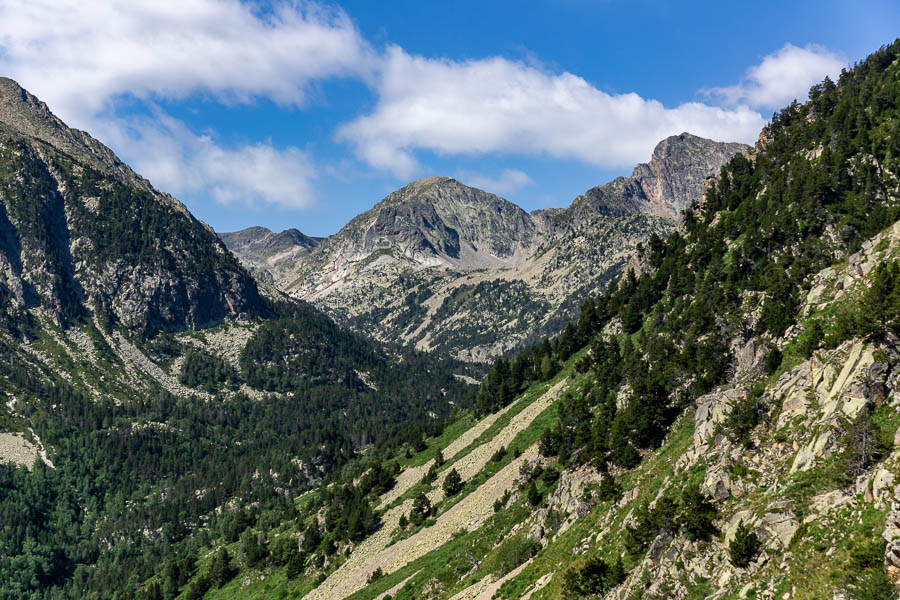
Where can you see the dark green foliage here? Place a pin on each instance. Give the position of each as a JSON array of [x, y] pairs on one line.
[[609, 491], [745, 415], [696, 514], [649, 523], [253, 546], [198, 588], [880, 305], [206, 372], [296, 563], [862, 446], [866, 578], [499, 454], [221, 571], [312, 537], [502, 501], [592, 579], [532, 493], [430, 475], [773, 360], [420, 511], [453, 483], [349, 514], [743, 547], [812, 339]]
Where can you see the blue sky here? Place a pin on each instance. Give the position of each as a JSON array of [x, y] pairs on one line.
[[303, 114]]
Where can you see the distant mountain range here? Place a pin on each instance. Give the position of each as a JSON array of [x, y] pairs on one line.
[[459, 271]]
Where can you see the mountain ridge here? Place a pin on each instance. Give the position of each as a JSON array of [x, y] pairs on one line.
[[423, 263]]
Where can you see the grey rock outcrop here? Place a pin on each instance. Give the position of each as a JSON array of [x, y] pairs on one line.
[[668, 184]]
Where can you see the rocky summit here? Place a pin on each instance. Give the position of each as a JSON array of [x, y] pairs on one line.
[[665, 186], [444, 267]]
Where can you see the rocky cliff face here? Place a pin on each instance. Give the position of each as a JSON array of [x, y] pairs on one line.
[[665, 186], [445, 266], [80, 232]]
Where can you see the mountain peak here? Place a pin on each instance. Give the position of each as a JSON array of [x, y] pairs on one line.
[[261, 246], [26, 115], [666, 185]]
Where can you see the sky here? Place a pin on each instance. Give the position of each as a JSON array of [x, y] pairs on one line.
[[303, 114]]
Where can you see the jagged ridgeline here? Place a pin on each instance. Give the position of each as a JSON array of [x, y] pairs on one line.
[[150, 397], [721, 425], [462, 273]]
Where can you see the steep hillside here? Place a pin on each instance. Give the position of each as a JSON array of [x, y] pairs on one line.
[[148, 391], [459, 272], [725, 424], [81, 233]]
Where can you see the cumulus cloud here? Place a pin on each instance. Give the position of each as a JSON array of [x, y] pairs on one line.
[[509, 180], [78, 54], [497, 105], [782, 77], [82, 56], [175, 159]]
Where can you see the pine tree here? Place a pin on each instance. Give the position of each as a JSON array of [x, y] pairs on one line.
[[743, 548], [221, 571], [453, 483]]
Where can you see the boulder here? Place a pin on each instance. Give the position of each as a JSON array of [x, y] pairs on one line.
[[778, 528], [882, 485], [892, 561], [717, 484], [658, 547], [892, 526]]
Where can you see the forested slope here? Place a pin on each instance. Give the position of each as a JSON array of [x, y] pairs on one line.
[[722, 425]]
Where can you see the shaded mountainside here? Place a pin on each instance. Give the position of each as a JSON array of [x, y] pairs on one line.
[[80, 233], [724, 424], [462, 273], [149, 391]]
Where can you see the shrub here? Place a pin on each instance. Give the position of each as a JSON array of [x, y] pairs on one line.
[[745, 415], [500, 502], [594, 578], [609, 490], [295, 564], [696, 514], [533, 495], [453, 483], [421, 510], [743, 548]]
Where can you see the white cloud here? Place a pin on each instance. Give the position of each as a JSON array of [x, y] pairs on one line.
[[81, 56], [77, 55], [165, 151], [500, 106], [782, 77], [509, 180]]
